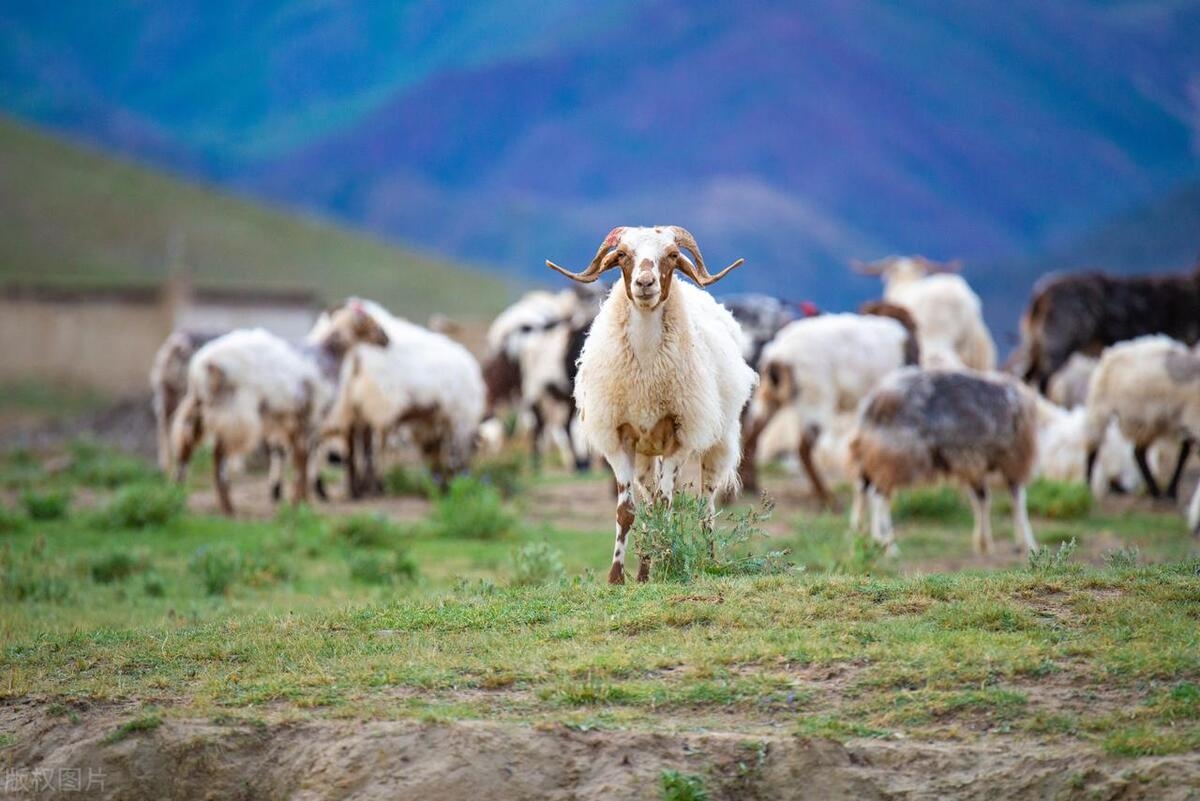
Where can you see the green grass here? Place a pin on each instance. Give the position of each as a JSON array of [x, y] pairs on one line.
[[303, 615], [74, 216]]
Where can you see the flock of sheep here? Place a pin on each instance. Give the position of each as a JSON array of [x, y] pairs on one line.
[[662, 380]]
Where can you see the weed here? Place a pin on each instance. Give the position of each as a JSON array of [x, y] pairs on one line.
[[1059, 500], [31, 577], [217, 566], [116, 566], [143, 723], [367, 530], [46, 505], [536, 563], [1046, 560], [471, 510], [143, 506], [682, 543], [94, 466], [678, 786], [942, 503], [390, 567], [1122, 558], [401, 482], [501, 472]]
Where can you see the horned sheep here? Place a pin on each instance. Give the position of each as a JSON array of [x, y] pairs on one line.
[[661, 377]]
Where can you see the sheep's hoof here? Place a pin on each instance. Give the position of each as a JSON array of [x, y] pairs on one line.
[[616, 574], [276, 492]]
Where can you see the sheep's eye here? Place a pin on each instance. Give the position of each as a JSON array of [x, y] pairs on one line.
[[525, 329]]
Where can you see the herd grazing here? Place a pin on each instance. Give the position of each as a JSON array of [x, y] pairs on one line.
[[674, 387]]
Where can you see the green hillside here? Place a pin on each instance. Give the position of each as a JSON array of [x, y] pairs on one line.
[[70, 215]]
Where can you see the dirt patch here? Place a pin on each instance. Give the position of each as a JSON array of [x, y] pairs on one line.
[[191, 759]]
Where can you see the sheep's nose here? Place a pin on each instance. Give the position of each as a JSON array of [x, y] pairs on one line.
[[645, 279]]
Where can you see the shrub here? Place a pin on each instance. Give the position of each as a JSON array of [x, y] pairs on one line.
[[388, 567], [31, 577], [143, 505], [1121, 558], [1059, 500], [470, 509], [678, 786], [536, 563], [673, 538], [943, 502], [94, 466], [47, 505], [116, 566], [400, 482], [367, 530], [1046, 560], [502, 472], [217, 567]]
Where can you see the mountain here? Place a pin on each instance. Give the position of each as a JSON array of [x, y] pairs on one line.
[[72, 215], [797, 136]]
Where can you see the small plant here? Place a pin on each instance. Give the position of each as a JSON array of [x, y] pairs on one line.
[[296, 519], [143, 506], [47, 505], [678, 786], [683, 545], [143, 723], [31, 577], [217, 567], [387, 568], [1122, 558], [154, 586], [400, 482], [95, 466], [10, 521], [536, 563], [471, 510], [940, 503], [501, 472], [116, 566], [367, 530], [1059, 500], [1045, 560]]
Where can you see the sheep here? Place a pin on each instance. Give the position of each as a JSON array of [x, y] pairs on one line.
[[1062, 447], [1151, 387], [821, 367], [1086, 312], [661, 377], [947, 311], [760, 318], [168, 385], [421, 381], [921, 424], [1068, 386], [247, 388]]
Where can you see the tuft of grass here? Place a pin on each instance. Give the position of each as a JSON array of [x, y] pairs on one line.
[[367, 530], [383, 568], [10, 521], [1046, 560], [675, 539], [30, 576], [536, 563], [143, 505], [217, 567], [116, 566], [1059, 500], [943, 503], [95, 466], [46, 505], [678, 786], [401, 482], [470, 509], [502, 472], [142, 723], [1122, 558]]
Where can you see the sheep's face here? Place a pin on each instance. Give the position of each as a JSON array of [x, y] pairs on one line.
[[348, 325]]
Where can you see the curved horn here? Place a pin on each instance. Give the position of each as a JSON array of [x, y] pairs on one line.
[[698, 273], [602, 261]]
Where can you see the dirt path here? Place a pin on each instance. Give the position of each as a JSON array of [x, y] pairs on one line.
[[190, 759]]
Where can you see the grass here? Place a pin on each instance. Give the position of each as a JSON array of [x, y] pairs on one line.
[[80, 218], [471, 509], [306, 616]]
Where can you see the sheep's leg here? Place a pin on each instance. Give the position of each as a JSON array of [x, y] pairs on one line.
[[299, 446], [649, 483], [275, 456], [858, 508], [371, 483], [807, 440], [981, 504], [535, 445], [1022, 531], [1185, 450], [753, 424], [1139, 455], [1193, 516], [623, 471], [352, 486], [882, 530], [579, 448], [1090, 467], [221, 478]]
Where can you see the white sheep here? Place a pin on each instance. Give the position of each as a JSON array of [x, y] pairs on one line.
[[821, 367], [1151, 387], [421, 381], [661, 377], [247, 388], [948, 313], [919, 425], [1062, 451]]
